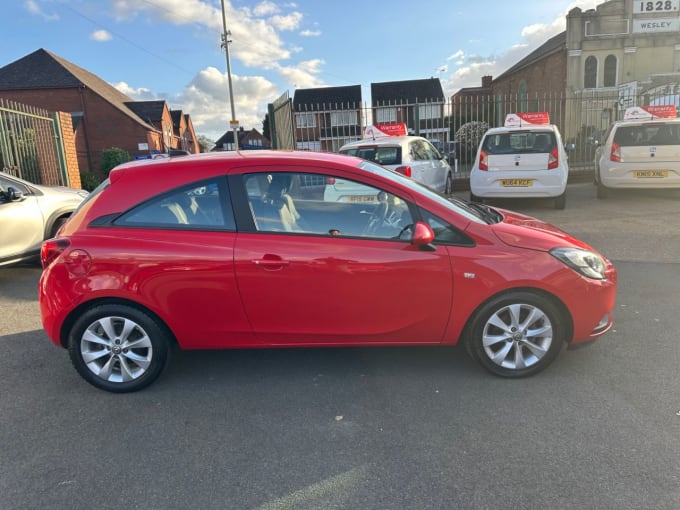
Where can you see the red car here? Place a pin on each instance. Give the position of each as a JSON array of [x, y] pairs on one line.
[[234, 250]]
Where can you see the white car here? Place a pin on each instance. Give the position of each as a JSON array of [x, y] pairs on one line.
[[412, 156], [638, 153], [521, 161], [31, 213]]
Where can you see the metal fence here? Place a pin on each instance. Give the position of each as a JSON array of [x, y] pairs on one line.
[[30, 144], [456, 127]]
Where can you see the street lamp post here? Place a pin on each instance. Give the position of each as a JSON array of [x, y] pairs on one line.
[[225, 45]]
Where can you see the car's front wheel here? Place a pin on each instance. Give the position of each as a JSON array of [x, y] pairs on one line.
[[118, 348], [517, 334]]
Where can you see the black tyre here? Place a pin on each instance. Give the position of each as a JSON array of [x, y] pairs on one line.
[[602, 191], [118, 348], [517, 334], [560, 202], [58, 223], [448, 187]]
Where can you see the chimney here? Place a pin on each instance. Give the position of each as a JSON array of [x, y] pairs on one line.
[[486, 81]]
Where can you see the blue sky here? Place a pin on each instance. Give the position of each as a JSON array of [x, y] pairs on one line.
[[170, 49]]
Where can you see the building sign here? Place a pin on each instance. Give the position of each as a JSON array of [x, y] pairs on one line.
[[142, 146], [646, 7], [655, 25]]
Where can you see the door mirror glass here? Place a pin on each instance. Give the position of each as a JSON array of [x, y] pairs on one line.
[[14, 195]]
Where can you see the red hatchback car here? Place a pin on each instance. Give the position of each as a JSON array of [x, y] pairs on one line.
[[235, 250]]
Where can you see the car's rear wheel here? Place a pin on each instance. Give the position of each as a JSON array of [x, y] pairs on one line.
[[560, 201], [118, 348], [602, 191], [475, 198], [448, 187], [517, 334]]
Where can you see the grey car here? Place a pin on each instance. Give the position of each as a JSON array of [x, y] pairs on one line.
[[29, 214]]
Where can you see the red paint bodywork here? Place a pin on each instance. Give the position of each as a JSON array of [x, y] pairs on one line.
[[219, 289]]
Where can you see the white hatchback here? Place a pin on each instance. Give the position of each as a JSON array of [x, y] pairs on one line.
[[523, 161], [412, 156], [639, 154]]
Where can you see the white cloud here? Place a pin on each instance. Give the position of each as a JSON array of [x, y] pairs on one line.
[[471, 68], [457, 55], [310, 33], [288, 22], [100, 36], [303, 75], [206, 100], [265, 9], [34, 8]]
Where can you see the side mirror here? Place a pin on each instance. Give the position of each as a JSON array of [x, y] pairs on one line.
[[14, 195], [423, 235], [570, 147]]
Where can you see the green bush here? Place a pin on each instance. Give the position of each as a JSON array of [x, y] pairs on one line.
[[88, 181], [111, 158]]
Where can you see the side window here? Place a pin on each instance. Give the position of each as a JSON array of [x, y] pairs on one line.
[[444, 232], [416, 150], [303, 203], [203, 205], [430, 151]]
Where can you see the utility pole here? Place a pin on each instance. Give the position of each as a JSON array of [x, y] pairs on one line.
[[225, 44]]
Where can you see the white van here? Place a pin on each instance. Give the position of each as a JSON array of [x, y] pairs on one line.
[[523, 159], [641, 151]]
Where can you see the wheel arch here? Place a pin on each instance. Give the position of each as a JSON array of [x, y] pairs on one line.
[[565, 315], [57, 215], [76, 312]]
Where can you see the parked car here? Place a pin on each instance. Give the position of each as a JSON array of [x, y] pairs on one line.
[[412, 156], [521, 161], [639, 153], [29, 214], [228, 251]]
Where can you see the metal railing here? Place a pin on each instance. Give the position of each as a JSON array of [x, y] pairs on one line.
[[456, 126], [30, 144]]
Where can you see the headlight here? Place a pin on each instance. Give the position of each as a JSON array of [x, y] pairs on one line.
[[586, 262]]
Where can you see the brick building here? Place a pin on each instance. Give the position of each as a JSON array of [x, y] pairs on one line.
[[101, 115], [247, 140]]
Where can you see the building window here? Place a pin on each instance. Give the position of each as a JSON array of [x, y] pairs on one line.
[[386, 115], [590, 74], [429, 111], [305, 119], [610, 71], [345, 118]]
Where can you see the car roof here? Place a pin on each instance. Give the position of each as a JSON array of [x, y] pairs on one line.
[[234, 159], [642, 122], [383, 140]]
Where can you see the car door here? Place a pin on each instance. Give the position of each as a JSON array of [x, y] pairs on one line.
[[342, 274], [22, 221], [434, 173]]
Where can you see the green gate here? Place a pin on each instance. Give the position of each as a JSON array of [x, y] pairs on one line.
[[31, 146]]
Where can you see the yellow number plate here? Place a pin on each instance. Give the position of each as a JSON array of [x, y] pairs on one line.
[[361, 198], [650, 174], [517, 183]]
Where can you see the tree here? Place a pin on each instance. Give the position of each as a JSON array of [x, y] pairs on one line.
[[265, 127], [111, 158], [205, 143]]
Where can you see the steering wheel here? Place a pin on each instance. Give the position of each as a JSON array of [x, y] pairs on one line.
[[377, 218]]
